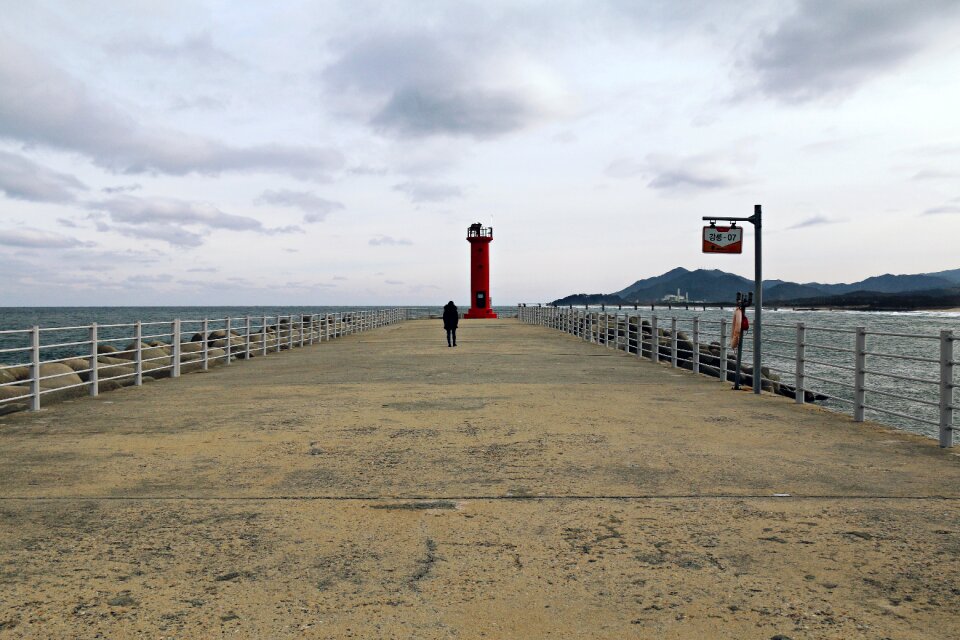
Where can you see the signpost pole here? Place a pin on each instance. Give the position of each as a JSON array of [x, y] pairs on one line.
[[757, 298], [728, 245]]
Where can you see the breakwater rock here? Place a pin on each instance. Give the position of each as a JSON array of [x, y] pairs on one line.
[[117, 367], [623, 335]]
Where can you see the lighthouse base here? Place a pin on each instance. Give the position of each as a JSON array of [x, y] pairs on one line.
[[474, 313]]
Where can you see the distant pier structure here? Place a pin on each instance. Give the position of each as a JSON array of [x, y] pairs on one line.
[[480, 238]]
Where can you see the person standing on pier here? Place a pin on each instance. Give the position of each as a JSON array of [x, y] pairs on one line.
[[451, 318]]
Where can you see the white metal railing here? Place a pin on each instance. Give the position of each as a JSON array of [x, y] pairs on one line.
[[97, 354], [852, 368]]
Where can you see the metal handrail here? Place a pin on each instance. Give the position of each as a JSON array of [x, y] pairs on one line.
[[642, 335], [901, 415], [896, 357], [899, 377], [904, 335], [828, 348], [900, 397], [288, 332], [829, 364]]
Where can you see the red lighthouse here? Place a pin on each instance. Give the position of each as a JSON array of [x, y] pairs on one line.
[[480, 239]]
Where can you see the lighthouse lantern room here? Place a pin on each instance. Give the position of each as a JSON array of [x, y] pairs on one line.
[[480, 238]]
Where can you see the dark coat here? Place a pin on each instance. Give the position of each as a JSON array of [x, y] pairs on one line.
[[451, 316]]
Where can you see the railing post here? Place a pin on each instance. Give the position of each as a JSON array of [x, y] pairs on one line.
[[290, 332], [175, 373], [639, 318], [249, 338], [313, 326], [801, 383], [723, 350], [859, 378], [695, 356], [263, 333], [946, 388], [654, 340], [278, 334], [205, 350], [94, 363], [138, 364], [301, 329], [229, 341], [673, 342], [35, 368]]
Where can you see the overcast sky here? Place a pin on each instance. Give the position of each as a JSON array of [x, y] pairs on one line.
[[314, 153]]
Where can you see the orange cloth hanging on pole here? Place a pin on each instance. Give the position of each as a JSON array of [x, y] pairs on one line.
[[737, 321]]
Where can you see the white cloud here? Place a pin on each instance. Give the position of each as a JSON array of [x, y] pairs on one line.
[[388, 241], [421, 191], [315, 208]]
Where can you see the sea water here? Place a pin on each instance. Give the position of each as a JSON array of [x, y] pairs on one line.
[[828, 354]]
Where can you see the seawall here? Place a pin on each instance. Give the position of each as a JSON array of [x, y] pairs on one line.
[[522, 484]]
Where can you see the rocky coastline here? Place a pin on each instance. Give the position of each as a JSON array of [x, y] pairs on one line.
[[622, 334], [117, 368]]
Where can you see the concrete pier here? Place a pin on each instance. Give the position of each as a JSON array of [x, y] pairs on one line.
[[522, 485]]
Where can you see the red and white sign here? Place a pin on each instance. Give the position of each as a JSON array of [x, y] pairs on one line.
[[723, 239]]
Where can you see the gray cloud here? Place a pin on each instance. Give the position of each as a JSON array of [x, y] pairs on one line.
[[946, 209], [393, 282], [166, 219], [419, 191], [424, 111], [149, 278], [41, 104], [315, 208], [388, 241], [366, 170], [172, 234], [24, 179], [196, 49], [813, 221], [679, 174], [933, 174], [202, 270], [127, 188], [418, 85], [37, 239], [830, 48], [134, 210]]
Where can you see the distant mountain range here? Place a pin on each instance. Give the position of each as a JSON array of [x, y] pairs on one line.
[[718, 286]]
